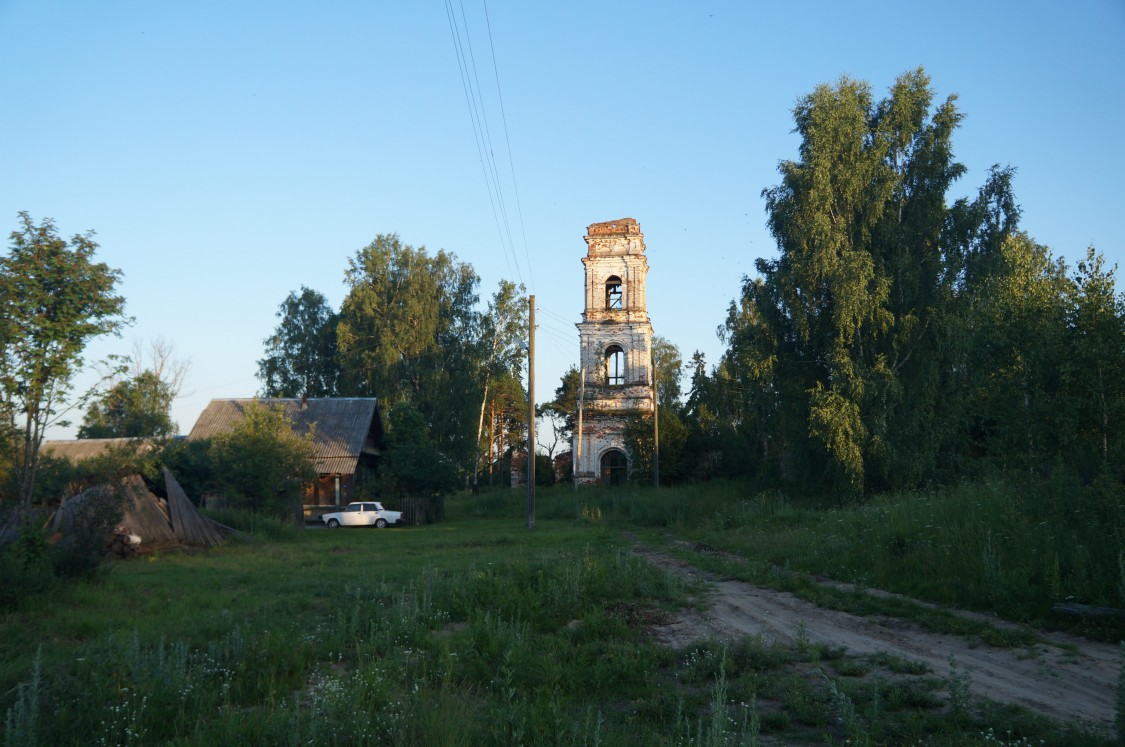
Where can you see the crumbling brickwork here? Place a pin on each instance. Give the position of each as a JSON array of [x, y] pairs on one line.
[[615, 339]]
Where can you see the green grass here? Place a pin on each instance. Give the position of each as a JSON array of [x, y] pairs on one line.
[[474, 631], [1009, 548]]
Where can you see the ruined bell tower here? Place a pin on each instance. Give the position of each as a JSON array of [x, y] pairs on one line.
[[615, 337]]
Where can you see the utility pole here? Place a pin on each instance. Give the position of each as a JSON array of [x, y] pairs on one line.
[[655, 428], [577, 455], [531, 413]]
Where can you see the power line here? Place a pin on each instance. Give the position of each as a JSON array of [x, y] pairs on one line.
[[482, 136], [508, 142], [470, 101], [487, 132], [560, 317]]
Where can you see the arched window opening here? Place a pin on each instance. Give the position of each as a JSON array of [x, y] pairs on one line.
[[615, 366], [615, 468], [614, 298]]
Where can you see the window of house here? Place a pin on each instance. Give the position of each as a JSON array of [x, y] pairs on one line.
[[613, 295], [615, 365]]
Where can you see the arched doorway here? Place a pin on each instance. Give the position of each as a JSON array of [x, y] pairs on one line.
[[615, 468]]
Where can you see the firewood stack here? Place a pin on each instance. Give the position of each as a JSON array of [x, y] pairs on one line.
[[122, 544]]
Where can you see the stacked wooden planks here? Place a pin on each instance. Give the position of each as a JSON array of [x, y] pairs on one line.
[[190, 526], [158, 523]]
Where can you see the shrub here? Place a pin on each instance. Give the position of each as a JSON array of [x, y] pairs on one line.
[[25, 566], [261, 464], [412, 464]]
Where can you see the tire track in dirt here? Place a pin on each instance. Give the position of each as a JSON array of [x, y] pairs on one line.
[[1065, 678]]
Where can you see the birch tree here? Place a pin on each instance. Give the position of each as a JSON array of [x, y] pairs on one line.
[[845, 342]]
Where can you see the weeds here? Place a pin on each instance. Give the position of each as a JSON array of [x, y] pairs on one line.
[[469, 632], [21, 721], [1120, 714], [959, 684]]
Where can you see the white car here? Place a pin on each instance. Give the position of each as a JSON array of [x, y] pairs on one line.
[[362, 514]]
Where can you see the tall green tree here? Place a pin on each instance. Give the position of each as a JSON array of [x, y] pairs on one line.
[[139, 405], [54, 299], [1019, 331], [669, 372], [408, 331], [505, 423], [502, 329], [639, 442], [565, 403], [1093, 360], [412, 465], [301, 356], [846, 347]]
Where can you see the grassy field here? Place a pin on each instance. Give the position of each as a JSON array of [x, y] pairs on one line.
[[478, 632]]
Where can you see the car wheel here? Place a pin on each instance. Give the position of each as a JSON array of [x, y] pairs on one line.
[[333, 523], [380, 523]]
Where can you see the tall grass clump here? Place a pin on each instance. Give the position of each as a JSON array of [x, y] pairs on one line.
[[1012, 546], [21, 720], [1120, 713], [256, 525]]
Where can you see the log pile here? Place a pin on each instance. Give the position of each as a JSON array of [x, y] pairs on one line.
[[122, 544], [148, 522]]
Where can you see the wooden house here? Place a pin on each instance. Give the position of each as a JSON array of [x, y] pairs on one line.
[[348, 434]]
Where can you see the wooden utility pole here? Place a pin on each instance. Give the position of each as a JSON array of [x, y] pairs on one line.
[[531, 413], [577, 455], [655, 428]]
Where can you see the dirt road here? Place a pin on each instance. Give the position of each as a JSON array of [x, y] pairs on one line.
[[1066, 678]]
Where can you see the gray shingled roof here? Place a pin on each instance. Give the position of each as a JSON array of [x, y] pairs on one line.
[[342, 426], [85, 448]]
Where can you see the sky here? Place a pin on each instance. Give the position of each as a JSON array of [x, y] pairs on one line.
[[227, 154]]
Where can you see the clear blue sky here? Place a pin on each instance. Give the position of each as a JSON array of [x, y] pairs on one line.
[[227, 153]]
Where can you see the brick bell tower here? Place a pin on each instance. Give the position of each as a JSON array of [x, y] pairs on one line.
[[615, 336]]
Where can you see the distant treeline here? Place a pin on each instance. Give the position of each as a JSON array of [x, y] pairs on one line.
[[896, 340]]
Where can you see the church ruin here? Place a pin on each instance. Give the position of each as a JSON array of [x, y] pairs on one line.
[[615, 337]]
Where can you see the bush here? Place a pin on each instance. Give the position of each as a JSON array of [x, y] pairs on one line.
[[544, 470], [261, 464], [412, 464], [191, 463], [82, 552], [25, 566]]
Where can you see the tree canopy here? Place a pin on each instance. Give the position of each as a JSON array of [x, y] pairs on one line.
[[408, 331], [134, 408], [301, 356], [54, 299], [140, 405], [897, 338]]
